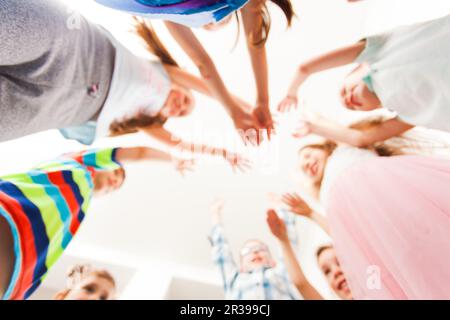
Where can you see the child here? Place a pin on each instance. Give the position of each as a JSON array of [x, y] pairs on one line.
[[259, 276], [388, 215], [42, 209], [279, 230], [157, 95], [405, 70], [53, 76], [87, 283], [256, 21]]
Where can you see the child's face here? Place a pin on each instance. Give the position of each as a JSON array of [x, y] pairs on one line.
[[92, 288], [312, 163], [108, 181], [255, 255], [179, 103], [329, 264], [355, 95]]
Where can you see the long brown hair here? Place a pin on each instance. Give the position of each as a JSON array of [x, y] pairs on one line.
[[146, 32], [382, 149], [260, 38], [77, 273]]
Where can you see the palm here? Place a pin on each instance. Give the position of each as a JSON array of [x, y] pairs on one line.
[[287, 104], [276, 225], [296, 204], [303, 131], [264, 118]]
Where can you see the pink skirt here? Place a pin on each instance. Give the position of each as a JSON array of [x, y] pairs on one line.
[[390, 222]]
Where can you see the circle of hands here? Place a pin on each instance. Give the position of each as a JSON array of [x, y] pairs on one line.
[[252, 124]]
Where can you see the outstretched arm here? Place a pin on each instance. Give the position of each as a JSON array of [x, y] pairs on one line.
[[298, 278], [354, 137], [330, 60], [190, 81], [166, 137], [252, 20], [135, 154], [194, 49]]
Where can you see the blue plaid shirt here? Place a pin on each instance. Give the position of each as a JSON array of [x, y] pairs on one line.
[[263, 284]]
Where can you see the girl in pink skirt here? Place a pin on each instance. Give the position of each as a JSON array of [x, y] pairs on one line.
[[388, 214]]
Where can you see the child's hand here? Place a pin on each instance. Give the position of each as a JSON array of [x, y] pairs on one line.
[[237, 162], [277, 226], [303, 130], [184, 165], [264, 118], [288, 103], [248, 126], [297, 205]]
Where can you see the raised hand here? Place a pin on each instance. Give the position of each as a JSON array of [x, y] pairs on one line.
[[238, 162], [277, 226], [303, 130], [288, 103], [297, 205], [264, 117], [247, 125], [184, 165]]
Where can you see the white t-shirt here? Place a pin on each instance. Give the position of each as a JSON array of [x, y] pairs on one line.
[[138, 86], [410, 72]]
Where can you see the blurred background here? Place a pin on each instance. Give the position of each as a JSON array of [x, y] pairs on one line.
[[153, 233]]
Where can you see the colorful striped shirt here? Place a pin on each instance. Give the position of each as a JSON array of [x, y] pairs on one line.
[[44, 208]]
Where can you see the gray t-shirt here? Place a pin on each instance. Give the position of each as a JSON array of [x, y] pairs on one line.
[[55, 67]]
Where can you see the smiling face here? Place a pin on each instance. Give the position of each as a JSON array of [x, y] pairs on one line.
[[179, 103], [355, 95], [93, 287], [329, 264], [108, 181], [313, 162], [255, 255]]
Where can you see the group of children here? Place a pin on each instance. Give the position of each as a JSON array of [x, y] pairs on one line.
[[385, 206]]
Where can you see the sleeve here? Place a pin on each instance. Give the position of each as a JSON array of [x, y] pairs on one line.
[[289, 219], [374, 45], [84, 134], [97, 159], [223, 258]]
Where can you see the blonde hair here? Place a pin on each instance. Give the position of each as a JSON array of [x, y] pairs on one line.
[[77, 273], [382, 149]]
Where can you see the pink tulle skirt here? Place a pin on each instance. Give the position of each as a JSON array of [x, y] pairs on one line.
[[390, 221]]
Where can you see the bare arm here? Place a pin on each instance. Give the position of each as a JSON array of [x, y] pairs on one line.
[[166, 137], [190, 81], [358, 138], [333, 59], [296, 275], [140, 154], [252, 19], [194, 49]]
